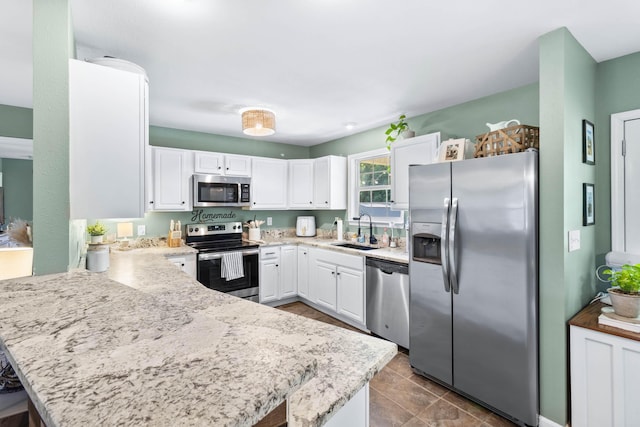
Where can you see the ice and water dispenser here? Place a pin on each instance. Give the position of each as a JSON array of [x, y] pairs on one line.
[[425, 241]]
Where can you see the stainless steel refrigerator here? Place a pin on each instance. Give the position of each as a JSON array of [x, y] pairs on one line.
[[473, 270]]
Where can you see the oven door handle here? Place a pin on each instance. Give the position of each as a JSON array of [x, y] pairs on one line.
[[218, 255]]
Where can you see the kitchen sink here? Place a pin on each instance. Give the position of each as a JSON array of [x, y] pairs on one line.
[[354, 246]]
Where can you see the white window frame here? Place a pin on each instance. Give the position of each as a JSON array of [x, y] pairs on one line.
[[617, 178], [353, 199]]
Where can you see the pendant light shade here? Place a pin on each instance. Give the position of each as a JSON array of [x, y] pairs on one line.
[[258, 122]]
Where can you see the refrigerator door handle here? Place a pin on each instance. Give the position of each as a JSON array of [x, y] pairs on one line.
[[443, 245], [453, 217]]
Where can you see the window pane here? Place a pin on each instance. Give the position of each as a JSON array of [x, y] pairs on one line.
[[381, 178], [366, 179], [366, 166], [379, 196], [365, 196]]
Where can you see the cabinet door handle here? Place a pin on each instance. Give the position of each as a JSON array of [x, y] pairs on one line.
[[337, 274], [276, 265], [270, 253], [151, 202], [219, 167], [310, 202], [333, 272], [182, 265], [227, 168]]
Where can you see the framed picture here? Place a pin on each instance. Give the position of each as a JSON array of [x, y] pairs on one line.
[[452, 150], [588, 204], [588, 143]]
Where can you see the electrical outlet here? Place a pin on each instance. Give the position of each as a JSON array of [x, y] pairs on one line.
[[574, 240], [269, 220], [142, 230]]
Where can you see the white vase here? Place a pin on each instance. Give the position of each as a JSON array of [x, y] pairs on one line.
[[408, 134], [625, 305], [96, 239]]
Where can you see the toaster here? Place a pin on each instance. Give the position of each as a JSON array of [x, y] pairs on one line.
[[306, 226]]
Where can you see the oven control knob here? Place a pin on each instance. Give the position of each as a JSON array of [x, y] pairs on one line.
[[196, 230], [191, 230]]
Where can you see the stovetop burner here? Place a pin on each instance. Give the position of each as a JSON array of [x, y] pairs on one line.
[[222, 246], [217, 237]]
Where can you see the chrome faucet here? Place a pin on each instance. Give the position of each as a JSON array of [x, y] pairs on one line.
[[372, 238]]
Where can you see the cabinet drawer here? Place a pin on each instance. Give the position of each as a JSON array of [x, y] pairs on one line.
[[269, 253]]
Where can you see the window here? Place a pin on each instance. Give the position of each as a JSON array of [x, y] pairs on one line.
[[370, 179]]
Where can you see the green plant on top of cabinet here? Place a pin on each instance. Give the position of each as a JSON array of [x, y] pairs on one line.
[[221, 164], [172, 171], [108, 135]]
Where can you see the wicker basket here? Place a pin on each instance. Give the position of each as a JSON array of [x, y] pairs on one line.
[[513, 139]]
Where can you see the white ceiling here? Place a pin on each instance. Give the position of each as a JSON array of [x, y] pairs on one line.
[[319, 64]]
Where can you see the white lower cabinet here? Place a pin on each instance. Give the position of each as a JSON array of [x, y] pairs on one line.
[[336, 282], [186, 263], [303, 272], [278, 273], [605, 379]]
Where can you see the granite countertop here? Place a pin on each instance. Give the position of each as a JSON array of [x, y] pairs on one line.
[[145, 344], [391, 254]]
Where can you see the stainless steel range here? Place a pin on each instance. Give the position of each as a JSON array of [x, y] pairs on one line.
[[214, 240]]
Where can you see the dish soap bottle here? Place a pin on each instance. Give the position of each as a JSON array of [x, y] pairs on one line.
[[385, 238]]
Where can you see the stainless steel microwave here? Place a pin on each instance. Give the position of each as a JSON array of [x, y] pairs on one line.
[[214, 191]]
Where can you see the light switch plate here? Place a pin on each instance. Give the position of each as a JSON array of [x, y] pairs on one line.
[[142, 230], [574, 240]]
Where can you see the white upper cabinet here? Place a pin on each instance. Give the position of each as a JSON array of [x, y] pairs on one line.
[[330, 182], [268, 183], [172, 169], [301, 183], [221, 164], [420, 150], [108, 131]]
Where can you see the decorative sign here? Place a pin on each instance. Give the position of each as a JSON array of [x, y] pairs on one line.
[[199, 216]]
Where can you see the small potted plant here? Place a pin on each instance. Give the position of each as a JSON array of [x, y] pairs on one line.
[[625, 295], [96, 231], [397, 129]]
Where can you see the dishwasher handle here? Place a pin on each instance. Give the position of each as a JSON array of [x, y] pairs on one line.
[[387, 267]]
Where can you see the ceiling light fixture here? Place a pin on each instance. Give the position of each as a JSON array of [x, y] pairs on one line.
[[258, 122]]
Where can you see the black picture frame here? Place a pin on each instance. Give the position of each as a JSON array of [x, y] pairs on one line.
[[588, 143], [588, 204]]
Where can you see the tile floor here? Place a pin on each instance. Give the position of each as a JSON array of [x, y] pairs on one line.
[[399, 397]]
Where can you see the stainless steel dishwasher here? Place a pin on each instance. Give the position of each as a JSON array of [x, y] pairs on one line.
[[388, 300]]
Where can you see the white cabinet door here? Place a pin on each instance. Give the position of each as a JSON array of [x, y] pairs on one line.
[[208, 163], [269, 278], [303, 272], [236, 165], [605, 379], [325, 284], [268, 183], [288, 272], [301, 184], [351, 293], [330, 183], [420, 150], [171, 173], [108, 134]]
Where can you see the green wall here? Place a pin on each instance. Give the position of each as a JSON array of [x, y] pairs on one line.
[[618, 90], [460, 121], [190, 140], [567, 282], [17, 180], [16, 122], [53, 232]]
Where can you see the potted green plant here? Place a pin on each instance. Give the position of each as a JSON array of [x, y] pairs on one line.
[[625, 295], [397, 129], [96, 231]]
